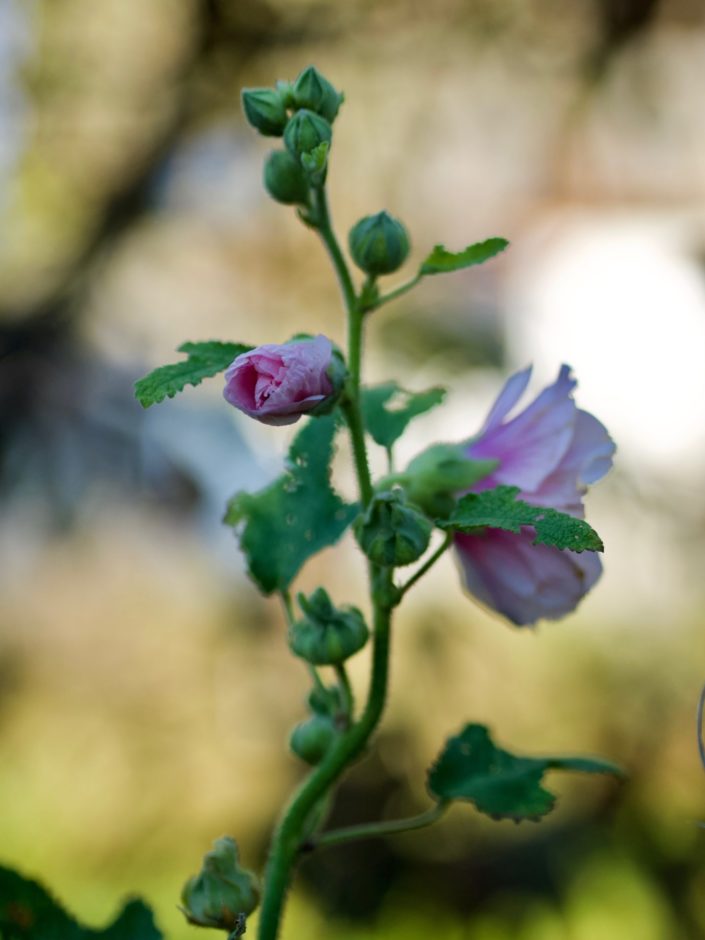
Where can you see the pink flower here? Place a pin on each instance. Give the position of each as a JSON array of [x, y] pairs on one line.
[[278, 384], [552, 450]]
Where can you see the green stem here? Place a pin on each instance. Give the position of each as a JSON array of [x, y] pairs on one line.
[[429, 563], [374, 830], [346, 689], [393, 294], [286, 843]]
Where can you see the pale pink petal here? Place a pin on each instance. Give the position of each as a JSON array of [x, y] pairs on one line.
[[514, 388]]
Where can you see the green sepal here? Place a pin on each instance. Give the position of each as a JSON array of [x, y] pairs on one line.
[[326, 635], [434, 477], [305, 131], [283, 525], [203, 361], [391, 532], [284, 178], [265, 110], [441, 261], [379, 244], [223, 893], [313, 91], [387, 409], [499, 508], [315, 163], [471, 767], [29, 912]]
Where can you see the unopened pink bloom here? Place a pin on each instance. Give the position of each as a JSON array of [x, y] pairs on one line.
[[552, 450], [277, 384]]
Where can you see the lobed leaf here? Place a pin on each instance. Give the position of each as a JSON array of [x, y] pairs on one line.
[[499, 508], [441, 261], [203, 361], [502, 785], [297, 515], [387, 409], [29, 912]]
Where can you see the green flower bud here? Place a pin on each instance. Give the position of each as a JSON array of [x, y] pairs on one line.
[[436, 476], [392, 532], [305, 131], [264, 110], [285, 90], [284, 178], [327, 635], [311, 739], [222, 895], [313, 91], [379, 244]]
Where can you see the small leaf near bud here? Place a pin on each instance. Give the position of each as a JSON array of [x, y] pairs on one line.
[[264, 110], [311, 739], [305, 131], [379, 244], [284, 178], [223, 894], [313, 91], [391, 531], [315, 163], [327, 635]]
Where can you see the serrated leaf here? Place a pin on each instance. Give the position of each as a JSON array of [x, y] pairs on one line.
[[441, 261], [315, 161], [29, 912], [387, 409], [499, 508], [299, 514], [203, 360], [502, 785]]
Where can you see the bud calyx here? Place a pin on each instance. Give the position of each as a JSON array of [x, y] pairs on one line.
[[379, 244], [327, 635], [222, 894], [391, 531]]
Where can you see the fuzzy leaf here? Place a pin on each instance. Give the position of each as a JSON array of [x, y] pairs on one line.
[[387, 409], [297, 515], [500, 509], [29, 912], [441, 261], [203, 361], [471, 767]]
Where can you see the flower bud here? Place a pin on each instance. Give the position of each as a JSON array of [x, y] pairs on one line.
[[306, 130], [222, 895], [327, 635], [311, 739], [391, 532], [264, 110], [379, 244], [284, 178], [313, 91]]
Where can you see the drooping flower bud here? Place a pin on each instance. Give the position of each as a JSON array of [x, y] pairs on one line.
[[284, 178], [305, 131], [392, 532], [311, 739], [313, 91], [327, 635], [223, 893], [379, 244], [264, 110]]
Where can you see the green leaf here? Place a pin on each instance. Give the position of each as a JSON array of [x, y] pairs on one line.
[[441, 261], [203, 360], [315, 161], [500, 509], [387, 409], [471, 767], [296, 516], [29, 912]]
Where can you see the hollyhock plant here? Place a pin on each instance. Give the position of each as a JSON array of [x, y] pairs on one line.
[[276, 384], [552, 450]]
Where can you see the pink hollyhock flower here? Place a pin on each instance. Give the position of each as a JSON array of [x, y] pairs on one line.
[[278, 384], [552, 450]]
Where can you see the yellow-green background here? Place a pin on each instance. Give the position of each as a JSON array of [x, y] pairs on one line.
[[145, 689]]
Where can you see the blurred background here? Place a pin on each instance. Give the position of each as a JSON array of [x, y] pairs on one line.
[[146, 690]]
